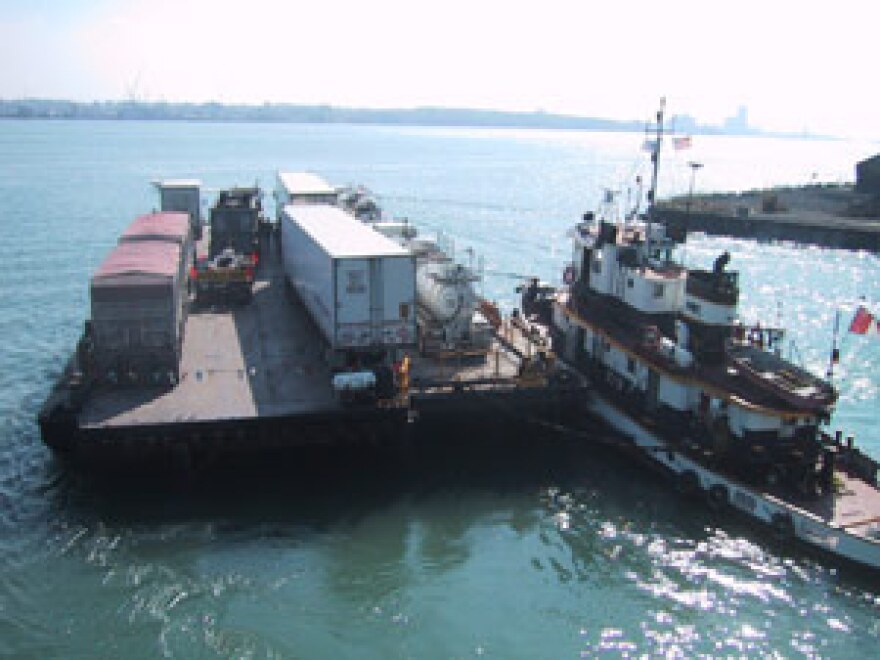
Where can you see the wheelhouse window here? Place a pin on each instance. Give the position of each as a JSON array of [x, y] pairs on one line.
[[659, 290]]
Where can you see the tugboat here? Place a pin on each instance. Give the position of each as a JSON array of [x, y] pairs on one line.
[[697, 393]]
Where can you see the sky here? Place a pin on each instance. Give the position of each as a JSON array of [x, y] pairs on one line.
[[795, 65]]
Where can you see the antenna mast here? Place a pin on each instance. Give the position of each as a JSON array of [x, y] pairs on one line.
[[655, 158], [655, 167]]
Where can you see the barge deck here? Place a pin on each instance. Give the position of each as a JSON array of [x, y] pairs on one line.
[[254, 376]]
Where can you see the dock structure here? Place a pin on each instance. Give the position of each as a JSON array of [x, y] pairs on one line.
[[827, 216], [255, 376]]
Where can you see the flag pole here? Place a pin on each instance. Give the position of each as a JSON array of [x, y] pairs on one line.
[[835, 353]]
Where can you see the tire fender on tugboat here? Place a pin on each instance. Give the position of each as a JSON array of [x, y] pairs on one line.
[[783, 526], [718, 497], [687, 483]]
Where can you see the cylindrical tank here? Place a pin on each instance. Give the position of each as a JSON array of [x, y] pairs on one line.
[[682, 357], [445, 290]]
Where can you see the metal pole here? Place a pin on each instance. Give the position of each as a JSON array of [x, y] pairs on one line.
[[655, 162], [832, 360], [694, 167], [655, 158]]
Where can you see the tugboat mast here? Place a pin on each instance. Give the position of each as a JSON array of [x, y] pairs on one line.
[[655, 167], [655, 158]]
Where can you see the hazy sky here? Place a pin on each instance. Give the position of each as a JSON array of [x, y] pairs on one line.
[[795, 65]]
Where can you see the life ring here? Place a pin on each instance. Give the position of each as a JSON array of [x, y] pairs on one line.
[[687, 483], [783, 526], [718, 497]]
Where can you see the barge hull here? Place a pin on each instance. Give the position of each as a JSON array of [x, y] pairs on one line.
[[255, 377]]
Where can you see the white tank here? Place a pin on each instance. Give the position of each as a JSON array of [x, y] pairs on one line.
[[445, 290], [682, 357], [354, 381], [682, 334]]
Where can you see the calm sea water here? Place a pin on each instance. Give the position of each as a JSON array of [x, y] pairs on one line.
[[547, 549]]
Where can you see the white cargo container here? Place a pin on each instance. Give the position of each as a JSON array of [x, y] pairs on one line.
[[302, 188], [358, 286], [183, 195]]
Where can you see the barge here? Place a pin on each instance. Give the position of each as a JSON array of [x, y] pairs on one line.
[[250, 375]]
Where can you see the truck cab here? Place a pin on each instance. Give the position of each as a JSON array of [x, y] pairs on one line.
[[236, 223]]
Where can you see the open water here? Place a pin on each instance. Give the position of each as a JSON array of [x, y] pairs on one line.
[[540, 549]]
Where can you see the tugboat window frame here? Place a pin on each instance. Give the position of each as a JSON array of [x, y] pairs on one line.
[[630, 365], [597, 265], [629, 282], [659, 290]]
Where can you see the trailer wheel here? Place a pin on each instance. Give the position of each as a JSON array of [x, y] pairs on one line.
[[718, 497]]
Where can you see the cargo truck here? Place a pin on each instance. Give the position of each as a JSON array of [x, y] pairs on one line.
[[238, 231], [357, 285], [135, 332], [236, 223]]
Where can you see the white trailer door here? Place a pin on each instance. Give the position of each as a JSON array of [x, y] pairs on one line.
[[353, 302], [377, 300], [399, 301]]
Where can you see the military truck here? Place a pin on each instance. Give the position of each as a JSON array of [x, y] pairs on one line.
[[237, 221], [238, 230]]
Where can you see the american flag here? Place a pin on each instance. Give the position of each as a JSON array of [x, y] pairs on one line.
[[682, 142]]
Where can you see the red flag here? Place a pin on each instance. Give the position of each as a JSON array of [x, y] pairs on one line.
[[862, 321]]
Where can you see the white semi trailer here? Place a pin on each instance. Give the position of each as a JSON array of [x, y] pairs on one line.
[[358, 286], [302, 188]]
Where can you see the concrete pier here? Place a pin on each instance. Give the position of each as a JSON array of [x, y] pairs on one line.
[[825, 215]]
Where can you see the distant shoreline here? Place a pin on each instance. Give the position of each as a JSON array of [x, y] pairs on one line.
[[44, 109]]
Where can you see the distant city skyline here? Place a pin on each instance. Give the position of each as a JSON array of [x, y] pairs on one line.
[[781, 66], [681, 125]]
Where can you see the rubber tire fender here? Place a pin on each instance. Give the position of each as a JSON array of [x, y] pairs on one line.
[[718, 497], [783, 526], [687, 483]]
